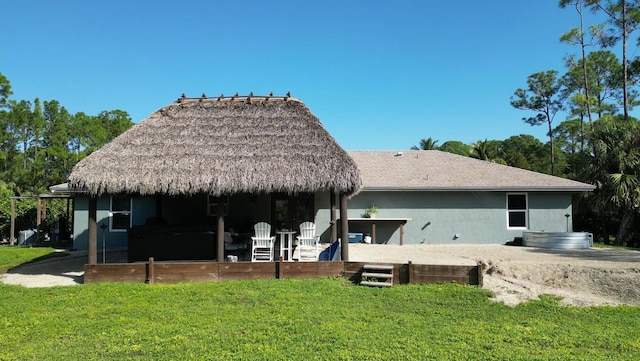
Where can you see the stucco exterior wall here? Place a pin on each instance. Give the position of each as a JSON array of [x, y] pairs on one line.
[[117, 239], [436, 217], [457, 217], [322, 203]]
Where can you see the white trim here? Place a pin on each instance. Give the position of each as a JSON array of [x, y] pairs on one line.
[[526, 210]]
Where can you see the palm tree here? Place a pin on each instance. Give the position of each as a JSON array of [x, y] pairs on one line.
[[426, 144], [486, 150], [615, 170], [480, 150]]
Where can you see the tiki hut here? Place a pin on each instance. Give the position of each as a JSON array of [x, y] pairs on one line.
[[221, 146]]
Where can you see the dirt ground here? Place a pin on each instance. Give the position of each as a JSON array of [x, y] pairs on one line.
[[515, 274]]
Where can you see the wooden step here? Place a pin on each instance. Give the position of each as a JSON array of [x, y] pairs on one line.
[[377, 275], [378, 267], [376, 284]]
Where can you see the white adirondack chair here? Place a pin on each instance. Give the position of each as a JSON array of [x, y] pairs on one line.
[[262, 248], [307, 242]]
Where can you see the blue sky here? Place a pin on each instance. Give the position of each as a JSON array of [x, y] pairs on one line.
[[380, 75]]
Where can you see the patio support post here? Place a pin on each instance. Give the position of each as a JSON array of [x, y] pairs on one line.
[[220, 231], [93, 231], [43, 209], [38, 219], [344, 225], [334, 225], [12, 236], [43, 216], [71, 218]]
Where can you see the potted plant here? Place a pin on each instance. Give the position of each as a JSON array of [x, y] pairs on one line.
[[371, 212]]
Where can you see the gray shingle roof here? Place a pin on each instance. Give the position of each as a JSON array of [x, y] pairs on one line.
[[440, 171]]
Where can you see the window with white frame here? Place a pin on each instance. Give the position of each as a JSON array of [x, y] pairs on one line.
[[120, 212], [517, 211]]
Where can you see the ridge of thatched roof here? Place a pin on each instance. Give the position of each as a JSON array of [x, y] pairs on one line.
[[221, 145]]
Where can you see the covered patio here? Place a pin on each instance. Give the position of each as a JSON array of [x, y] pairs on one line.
[[258, 151]]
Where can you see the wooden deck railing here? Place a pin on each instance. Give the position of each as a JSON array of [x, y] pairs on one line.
[[175, 272]]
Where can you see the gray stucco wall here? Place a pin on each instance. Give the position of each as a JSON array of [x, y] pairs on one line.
[[81, 221], [322, 203], [436, 217], [453, 217]]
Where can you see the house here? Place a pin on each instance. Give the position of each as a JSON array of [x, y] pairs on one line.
[[429, 196], [172, 185], [202, 166]]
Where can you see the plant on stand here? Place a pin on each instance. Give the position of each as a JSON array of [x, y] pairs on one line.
[[371, 212]]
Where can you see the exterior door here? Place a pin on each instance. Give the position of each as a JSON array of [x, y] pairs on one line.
[[289, 210]]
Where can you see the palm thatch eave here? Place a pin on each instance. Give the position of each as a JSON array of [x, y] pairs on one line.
[[221, 146]]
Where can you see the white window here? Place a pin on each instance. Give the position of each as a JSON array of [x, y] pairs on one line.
[[120, 212], [212, 205], [517, 211]]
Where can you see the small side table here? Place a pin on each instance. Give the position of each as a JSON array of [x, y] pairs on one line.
[[286, 243]]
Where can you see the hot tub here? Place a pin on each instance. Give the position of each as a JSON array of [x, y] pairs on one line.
[[564, 240]]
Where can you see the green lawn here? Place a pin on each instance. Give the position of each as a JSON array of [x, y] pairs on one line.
[[319, 319], [11, 256], [612, 246]]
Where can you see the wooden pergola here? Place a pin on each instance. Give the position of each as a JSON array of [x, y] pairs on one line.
[[57, 192]]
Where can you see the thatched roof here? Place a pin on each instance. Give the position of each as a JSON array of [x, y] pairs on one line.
[[222, 145]]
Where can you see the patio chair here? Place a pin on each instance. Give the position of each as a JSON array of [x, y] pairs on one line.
[[262, 248], [307, 242], [231, 245]]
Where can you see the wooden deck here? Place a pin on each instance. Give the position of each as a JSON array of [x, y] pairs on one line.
[[175, 272]]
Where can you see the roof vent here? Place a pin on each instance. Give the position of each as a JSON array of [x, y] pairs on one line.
[[399, 154]]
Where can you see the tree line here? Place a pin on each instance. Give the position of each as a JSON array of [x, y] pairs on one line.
[[40, 142], [598, 142]]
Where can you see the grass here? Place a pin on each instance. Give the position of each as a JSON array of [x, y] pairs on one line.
[[612, 246], [318, 319], [11, 256]]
